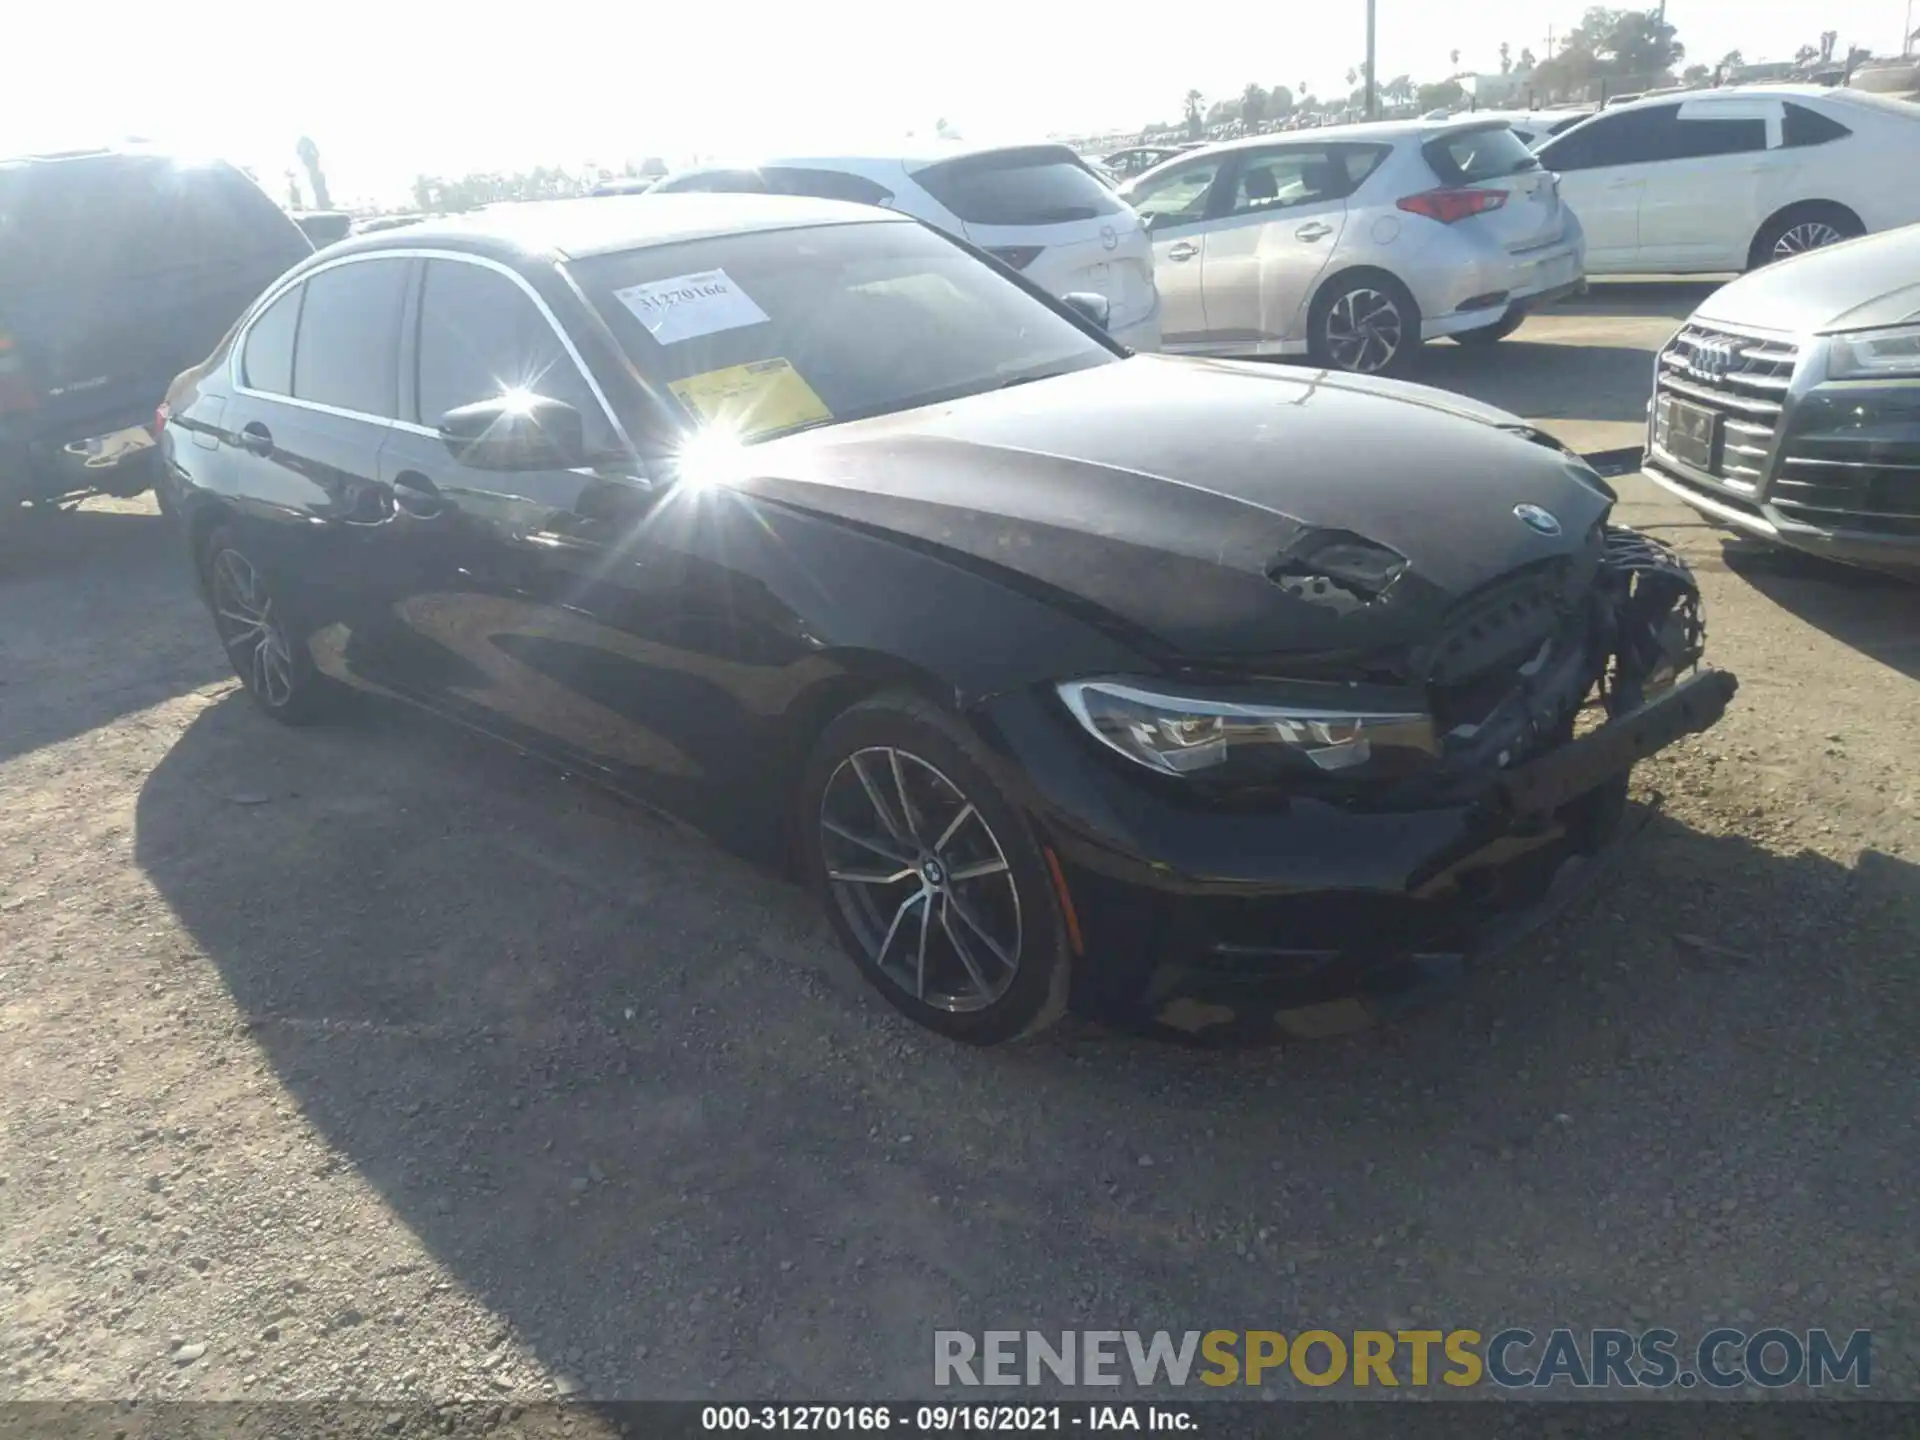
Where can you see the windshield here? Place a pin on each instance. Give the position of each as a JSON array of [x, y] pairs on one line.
[[760, 334]]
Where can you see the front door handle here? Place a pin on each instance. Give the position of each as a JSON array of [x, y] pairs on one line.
[[256, 439], [1185, 250], [418, 496], [1313, 230]]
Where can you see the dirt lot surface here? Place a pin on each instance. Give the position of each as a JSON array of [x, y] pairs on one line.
[[375, 1061]]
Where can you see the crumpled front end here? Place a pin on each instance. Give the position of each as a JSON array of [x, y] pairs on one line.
[[1227, 913]]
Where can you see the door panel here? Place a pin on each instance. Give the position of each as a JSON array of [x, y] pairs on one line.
[[1285, 213], [1606, 201], [1700, 210], [1173, 201]]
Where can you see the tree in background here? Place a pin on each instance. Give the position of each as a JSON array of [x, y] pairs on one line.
[[1732, 60], [294, 201], [1506, 58], [1195, 113], [1280, 102], [1527, 62], [1440, 96], [1253, 104], [1453, 57], [309, 154], [1610, 45], [1696, 74]]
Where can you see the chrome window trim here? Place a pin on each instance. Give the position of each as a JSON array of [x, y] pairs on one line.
[[387, 422]]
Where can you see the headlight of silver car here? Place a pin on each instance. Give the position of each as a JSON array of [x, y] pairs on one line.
[[1875, 354], [1186, 734]]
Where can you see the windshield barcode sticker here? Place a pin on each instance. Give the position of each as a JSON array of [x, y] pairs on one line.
[[688, 306]]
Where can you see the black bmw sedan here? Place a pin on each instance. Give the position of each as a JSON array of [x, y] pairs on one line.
[[1166, 687]]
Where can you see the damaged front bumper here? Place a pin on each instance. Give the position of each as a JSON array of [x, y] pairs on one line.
[[1232, 920]]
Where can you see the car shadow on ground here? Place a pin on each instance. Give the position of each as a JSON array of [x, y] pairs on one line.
[[79, 597], [1543, 381], [621, 1086], [1669, 299], [1876, 614]]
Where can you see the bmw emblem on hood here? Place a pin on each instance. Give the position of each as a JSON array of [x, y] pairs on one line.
[[1534, 518]]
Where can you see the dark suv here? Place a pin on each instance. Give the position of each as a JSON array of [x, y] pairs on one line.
[[118, 269]]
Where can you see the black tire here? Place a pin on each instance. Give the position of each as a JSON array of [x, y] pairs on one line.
[[1802, 228], [276, 668], [956, 820], [1354, 303], [1494, 333]]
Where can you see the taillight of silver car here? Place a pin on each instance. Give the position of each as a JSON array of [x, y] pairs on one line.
[[1448, 205]]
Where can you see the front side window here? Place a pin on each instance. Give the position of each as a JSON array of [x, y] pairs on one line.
[[347, 353], [1177, 196], [1628, 137], [481, 336], [780, 330], [1301, 175], [266, 358]]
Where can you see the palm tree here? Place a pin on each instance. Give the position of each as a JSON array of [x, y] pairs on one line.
[[1196, 113], [309, 154], [1253, 103], [1454, 56], [1506, 58]]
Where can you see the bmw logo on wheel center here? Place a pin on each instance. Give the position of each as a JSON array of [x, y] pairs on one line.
[[1534, 518]]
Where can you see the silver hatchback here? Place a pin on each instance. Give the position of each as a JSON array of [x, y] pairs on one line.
[[1353, 244]]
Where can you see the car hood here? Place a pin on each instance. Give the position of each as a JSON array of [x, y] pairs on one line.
[[1214, 511], [1857, 285]]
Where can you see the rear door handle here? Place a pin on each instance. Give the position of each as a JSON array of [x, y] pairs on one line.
[[1185, 250], [1313, 230], [256, 439]]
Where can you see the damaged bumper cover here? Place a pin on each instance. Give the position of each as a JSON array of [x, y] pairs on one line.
[[1235, 919]]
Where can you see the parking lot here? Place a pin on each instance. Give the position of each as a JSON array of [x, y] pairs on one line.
[[375, 1060]]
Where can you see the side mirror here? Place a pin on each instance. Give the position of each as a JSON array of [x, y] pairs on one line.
[[1096, 309], [516, 431]]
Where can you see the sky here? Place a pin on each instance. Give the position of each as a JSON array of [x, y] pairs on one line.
[[393, 88]]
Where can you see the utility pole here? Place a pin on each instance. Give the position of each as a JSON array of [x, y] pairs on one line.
[[1373, 92]]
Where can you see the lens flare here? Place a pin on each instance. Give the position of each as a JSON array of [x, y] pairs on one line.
[[712, 456]]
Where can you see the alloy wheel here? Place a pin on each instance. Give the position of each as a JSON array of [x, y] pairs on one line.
[[921, 879], [1365, 330], [1807, 235], [249, 626]]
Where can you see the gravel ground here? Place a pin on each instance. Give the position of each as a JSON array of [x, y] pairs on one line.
[[374, 1061]]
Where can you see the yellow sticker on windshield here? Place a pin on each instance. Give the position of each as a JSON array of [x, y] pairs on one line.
[[753, 399]]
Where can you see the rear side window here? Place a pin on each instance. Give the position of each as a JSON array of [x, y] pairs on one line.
[[1176, 195], [480, 336], [140, 215], [1704, 136], [826, 184], [1468, 157], [266, 362], [1019, 187], [347, 354], [1802, 126]]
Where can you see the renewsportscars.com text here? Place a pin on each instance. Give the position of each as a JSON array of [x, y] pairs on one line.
[[1511, 1358]]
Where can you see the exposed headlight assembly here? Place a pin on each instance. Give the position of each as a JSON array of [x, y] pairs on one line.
[[1875, 354], [1185, 734]]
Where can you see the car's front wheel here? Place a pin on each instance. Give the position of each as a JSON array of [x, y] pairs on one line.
[[933, 880], [1366, 323], [251, 616]]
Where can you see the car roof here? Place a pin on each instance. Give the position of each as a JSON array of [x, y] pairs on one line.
[[1375, 131], [600, 224], [1731, 92]]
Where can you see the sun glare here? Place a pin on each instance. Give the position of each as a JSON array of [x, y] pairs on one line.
[[713, 455]]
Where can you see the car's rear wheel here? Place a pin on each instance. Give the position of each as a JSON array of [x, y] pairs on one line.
[[1803, 228], [251, 616], [933, 880], [1366, 323], [1494, 333]]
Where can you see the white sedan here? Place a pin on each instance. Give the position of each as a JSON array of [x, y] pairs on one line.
[[1722, 180]]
